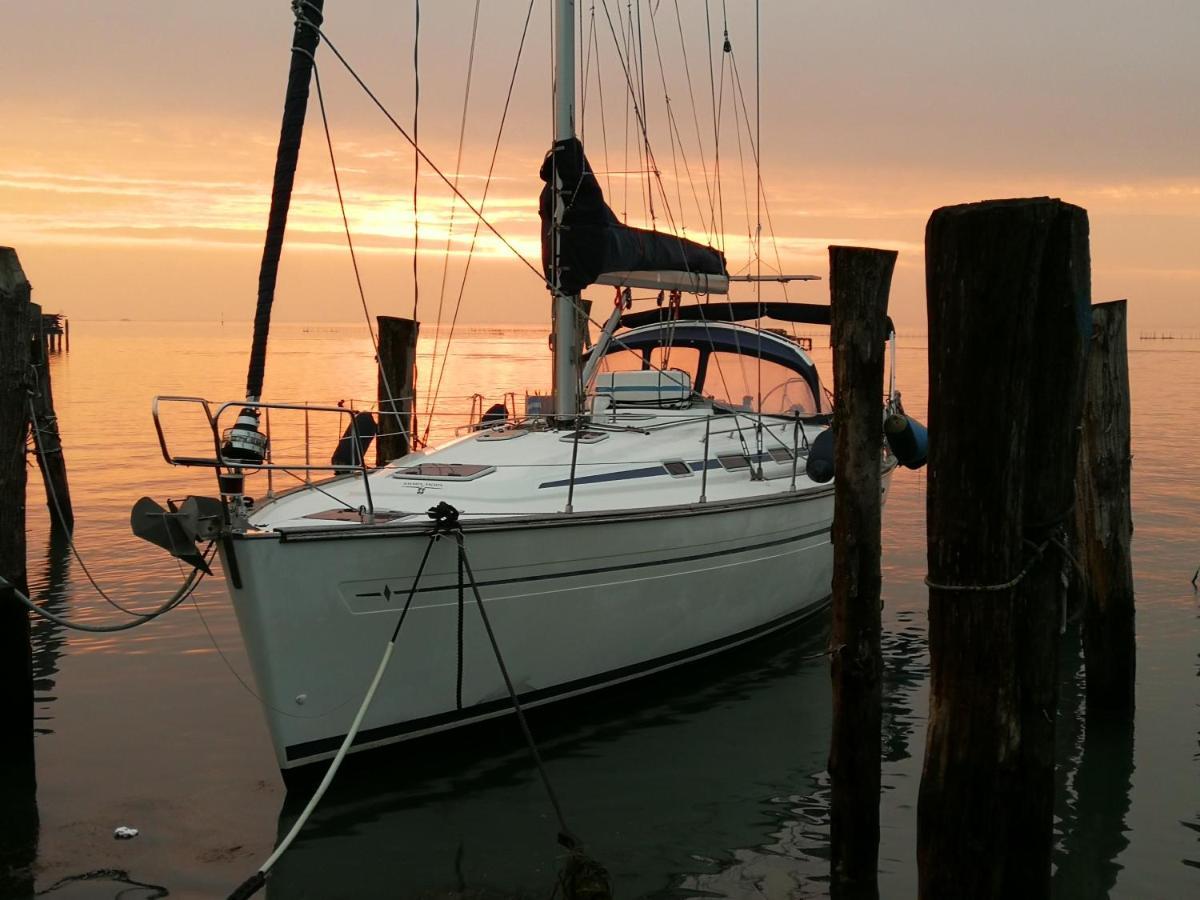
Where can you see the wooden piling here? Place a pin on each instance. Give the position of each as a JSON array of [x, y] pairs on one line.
[[48, 442], [397, 371], [1008, 286], [1104, 523], [859, 282], [16, 660]]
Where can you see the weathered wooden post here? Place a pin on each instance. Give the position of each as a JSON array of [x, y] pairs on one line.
[[397, 372], [1104, 522], [859, 282], [47, 440], [1008, 287], [16, 660]]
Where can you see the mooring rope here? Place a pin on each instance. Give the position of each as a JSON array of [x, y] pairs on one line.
[[1056, 539], [67, 528], [184, 591], [251, 885], [582, 876]]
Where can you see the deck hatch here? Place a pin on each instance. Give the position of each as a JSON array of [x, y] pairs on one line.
[[445, 471], [734, 461]]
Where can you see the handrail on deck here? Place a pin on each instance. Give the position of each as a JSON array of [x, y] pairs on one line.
[[219, 460]]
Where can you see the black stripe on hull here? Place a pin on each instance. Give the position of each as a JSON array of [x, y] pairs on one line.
[[443, 721], [623, 567]]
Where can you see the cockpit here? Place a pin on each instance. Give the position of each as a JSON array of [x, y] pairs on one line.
[[737, 368]]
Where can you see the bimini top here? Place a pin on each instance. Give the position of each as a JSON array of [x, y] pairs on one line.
[[711, 338]]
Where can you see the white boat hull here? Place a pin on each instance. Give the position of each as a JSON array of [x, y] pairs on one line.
[[578, 602]]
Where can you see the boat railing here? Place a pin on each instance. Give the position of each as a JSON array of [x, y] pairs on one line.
[[208, 427]]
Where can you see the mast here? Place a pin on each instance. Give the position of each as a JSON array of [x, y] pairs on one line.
[[565, 315], [295, 104]]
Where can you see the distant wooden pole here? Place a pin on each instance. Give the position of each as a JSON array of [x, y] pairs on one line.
[[16, 659], [859, 281], [1008, 287], [67, 332], [48, 441], [397, 361], [1105, 520]]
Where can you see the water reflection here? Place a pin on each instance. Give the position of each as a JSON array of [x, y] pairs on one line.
[[905, 647], [52, 591], [1096, 798], [662, 780]]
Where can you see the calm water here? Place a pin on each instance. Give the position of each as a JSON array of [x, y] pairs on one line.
[[710, 783]]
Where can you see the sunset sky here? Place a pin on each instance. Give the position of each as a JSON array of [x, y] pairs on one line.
[[138, 144]]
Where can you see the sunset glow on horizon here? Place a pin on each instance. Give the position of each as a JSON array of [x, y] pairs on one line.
[[135, 171]]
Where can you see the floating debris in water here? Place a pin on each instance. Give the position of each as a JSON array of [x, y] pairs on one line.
[[124, 832]]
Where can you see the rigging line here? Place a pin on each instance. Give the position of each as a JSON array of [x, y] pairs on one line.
[[625, 209], [758, 196], [641, 70], [595, 39], [69, 531], [337, 182], [481, 219], [766, 203], [720, 369], [736, 82], [425, 157], [462, 133], [712, 89], [695, 119], [672, 129], [626, 57], [650, 164], [416, 154], [719, 115], [319, 490], [631, 93], [742, 175], [676, 137], [432, 408]]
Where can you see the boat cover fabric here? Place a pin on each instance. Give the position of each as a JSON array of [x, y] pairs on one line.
[[727, 339], [737, 311], [594, 240]]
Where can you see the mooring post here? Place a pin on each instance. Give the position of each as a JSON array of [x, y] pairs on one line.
[[47, 439], [859, 281], [397, 387], [67, 332], [16, 660], [1008, 286], [1104, 521]]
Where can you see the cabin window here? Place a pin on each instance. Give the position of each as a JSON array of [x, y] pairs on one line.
[[623, 360], [678, 468], [734, 380], [679, 359]]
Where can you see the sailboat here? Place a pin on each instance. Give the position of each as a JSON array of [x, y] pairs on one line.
[[673, 501]]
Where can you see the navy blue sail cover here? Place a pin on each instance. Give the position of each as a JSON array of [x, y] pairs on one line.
[[594, 241]]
